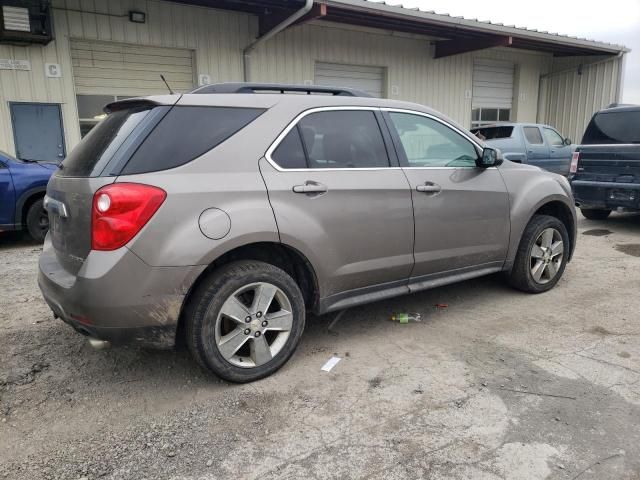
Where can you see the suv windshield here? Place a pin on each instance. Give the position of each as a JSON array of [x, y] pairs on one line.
[[613, 127]]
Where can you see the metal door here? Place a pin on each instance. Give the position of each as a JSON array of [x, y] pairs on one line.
[[537, 149], [38, 131], [461, 211]]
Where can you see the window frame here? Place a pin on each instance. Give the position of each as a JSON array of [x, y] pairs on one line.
[[384, 132], [546, 139], [400, 148]]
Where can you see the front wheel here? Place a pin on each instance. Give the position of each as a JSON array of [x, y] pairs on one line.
[[245, 320], [542, 255], [595, 214]]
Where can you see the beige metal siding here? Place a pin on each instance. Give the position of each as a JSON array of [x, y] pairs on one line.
[[122, 69], [570, 97], [216, 36]]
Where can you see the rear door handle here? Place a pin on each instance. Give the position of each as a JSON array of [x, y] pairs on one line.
[[429, 188], [310, 187]]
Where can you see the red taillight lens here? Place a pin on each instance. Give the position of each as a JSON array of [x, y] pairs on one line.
[[120, 211], [575, 158]]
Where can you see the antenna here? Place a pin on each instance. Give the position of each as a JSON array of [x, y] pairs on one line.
[[166, 83]]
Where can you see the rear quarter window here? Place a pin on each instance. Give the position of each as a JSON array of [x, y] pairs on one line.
[[186, 133], [97, 148], [613, 127], [492, 133]]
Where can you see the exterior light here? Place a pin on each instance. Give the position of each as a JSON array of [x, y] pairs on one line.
[[137, 17]]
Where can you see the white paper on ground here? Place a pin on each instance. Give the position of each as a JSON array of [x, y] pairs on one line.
[[332, 362]]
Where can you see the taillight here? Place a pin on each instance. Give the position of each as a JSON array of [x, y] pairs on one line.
[[120, 211], [574, 162]]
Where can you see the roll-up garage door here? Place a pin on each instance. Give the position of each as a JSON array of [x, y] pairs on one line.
[[365, 78], [492, 84], [101, 68]]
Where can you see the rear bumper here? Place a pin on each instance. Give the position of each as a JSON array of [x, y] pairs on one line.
[[606, 195], [117, 297]]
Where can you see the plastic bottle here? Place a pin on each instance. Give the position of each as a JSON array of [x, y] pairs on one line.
[[406, 317]]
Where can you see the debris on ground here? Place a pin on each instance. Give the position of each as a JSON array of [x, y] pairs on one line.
[[332, 362], [405, 317]]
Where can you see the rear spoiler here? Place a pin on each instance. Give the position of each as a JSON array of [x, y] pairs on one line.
[[141, 102]]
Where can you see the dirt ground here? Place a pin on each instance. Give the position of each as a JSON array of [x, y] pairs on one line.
[[499, 385]]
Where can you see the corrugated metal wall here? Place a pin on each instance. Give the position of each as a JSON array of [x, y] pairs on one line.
[[218, 37], [571, 95], [412, 73]]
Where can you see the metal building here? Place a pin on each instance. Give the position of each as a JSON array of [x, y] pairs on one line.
[[61, 61]]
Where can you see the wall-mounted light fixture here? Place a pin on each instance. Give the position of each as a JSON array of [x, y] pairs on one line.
[[137, 17]]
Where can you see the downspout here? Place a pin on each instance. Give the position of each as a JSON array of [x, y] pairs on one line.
[[246, 53]]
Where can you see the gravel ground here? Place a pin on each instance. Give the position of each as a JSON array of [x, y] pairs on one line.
[[499, 385]]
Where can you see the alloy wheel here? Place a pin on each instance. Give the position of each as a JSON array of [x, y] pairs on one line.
[[546, 257], [253, 325]]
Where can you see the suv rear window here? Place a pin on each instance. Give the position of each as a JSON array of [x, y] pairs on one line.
[[185, 133], [491, 133], [99, 145], [613, 127]]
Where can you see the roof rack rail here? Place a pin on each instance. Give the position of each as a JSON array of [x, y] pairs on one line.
[[278, 88]]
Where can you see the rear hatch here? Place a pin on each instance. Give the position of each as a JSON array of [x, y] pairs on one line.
[[610, 150], [95, 162]]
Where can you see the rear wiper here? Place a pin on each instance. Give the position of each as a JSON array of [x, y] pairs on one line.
[[28, 160]]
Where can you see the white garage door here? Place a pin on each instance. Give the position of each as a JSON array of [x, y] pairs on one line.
[[367, 79], [492, 91], [118, 69]]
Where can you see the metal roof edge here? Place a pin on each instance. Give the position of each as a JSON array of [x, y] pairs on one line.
[[476, 25]]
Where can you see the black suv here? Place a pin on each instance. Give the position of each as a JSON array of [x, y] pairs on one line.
[[605, 168]]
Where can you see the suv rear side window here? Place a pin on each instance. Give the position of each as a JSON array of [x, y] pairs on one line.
[[185, 133], [333, 139], [613, 127], [533, 136]]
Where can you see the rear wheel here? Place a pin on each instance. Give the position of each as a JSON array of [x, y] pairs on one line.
[[37, 221], [245, 320], [542, 255], [594, 214]]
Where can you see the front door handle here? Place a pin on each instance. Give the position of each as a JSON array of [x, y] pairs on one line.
[[429, 188], [310, 187]]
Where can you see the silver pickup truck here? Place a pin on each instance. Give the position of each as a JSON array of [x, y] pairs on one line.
[[534, 144]]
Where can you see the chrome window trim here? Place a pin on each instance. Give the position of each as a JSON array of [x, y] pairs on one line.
[[301, 115]]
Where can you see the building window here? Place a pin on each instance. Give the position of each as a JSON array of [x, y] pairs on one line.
[[90, 109], [485, 116]]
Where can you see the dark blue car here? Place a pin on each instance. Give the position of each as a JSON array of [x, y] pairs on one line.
[[22, 187]]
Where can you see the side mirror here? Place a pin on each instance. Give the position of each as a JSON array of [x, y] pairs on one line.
[[568, 141], [490, 158]]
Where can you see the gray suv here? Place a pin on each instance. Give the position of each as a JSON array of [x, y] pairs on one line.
[[222, 216]]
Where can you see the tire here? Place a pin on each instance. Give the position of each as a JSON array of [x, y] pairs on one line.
[[37, 221], [532, 250], [233, 290], [593, 214]]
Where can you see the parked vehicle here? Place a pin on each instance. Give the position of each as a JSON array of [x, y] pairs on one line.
[[223, 216], [605, 170], [22, 188], [533, 144]]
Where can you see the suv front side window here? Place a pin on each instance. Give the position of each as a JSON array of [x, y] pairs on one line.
[[429, 143], [333, 139]]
